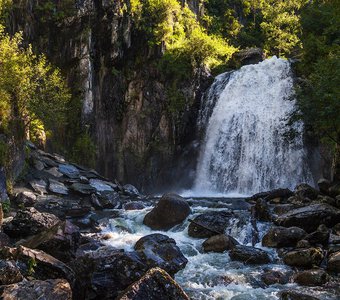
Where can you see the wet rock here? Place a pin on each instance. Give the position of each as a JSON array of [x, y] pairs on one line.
[[320, 236], [310, 217], [57, 187], [249, 255], [3, 189], [69, 170], [42, 264], [305, 191], [155, 284], [281, 209], [219, 243], [100, 185], [311, 277], [277, 193], [324, 185], [273, 277], [83, 188], [58, 289], [296, 295], [61, 241], [108, 199], [103, 274], [261, 210], [216, 221], [30, 222], [158, 250], [4, 240], [9, 273], [39, 186], [170, 210], [334, 262], [306, 258], [130, 190], [26, 198], [249, 56], [283, 237], [54, 172], [135, 205], [303, 244]]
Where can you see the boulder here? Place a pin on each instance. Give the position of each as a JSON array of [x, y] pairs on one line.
[[9, 273], [30, 221], [305, 258], [26, 198], [249, 255], [304, 191], [170, 210], [320, 236], [249, 56], [103, 274], [214, 222], [296, 295], [108, 199], [43, 265], [324, 185], [158, 250], [155, 284], [311, 277], [333, 264], [282, 237], [58, 289], [273, 277], [310, 217], [219, 243]]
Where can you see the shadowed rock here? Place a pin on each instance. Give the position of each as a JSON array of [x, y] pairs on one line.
[[249, 255], [283, 237]]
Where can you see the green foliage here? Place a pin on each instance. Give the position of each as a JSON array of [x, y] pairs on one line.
[[30, 88], [31, 265], [84, 150], [319, 94], [6, 206]]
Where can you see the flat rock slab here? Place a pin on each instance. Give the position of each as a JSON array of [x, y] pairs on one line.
[[57, 187], [310, 217], [69, 171], [100, 185], [83, 188], [39, 186]]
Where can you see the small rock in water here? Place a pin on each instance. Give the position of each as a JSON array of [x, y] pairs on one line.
[[249, 255], [311, 277], [155, 284], [131, 190], [296, 295], [273, 277], [135, 205], [283, 237], [219, 243], [304, 257], [170, 210]]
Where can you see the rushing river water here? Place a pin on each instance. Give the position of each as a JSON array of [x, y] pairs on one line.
[[209, 276]]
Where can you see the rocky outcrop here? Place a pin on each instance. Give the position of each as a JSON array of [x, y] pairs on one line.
[[170, 210], [57, 289], [155, 284]]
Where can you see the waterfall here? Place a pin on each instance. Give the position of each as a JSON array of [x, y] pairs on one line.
[[245, 114]]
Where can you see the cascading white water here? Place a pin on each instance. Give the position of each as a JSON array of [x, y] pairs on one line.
[[245, 149]]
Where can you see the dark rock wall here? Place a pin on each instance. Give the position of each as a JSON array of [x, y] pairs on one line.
[[110, 66]]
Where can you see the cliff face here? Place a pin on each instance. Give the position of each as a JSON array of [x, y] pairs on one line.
[[125, 100]]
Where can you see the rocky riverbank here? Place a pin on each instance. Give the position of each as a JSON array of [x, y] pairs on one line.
[[52, 242]]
